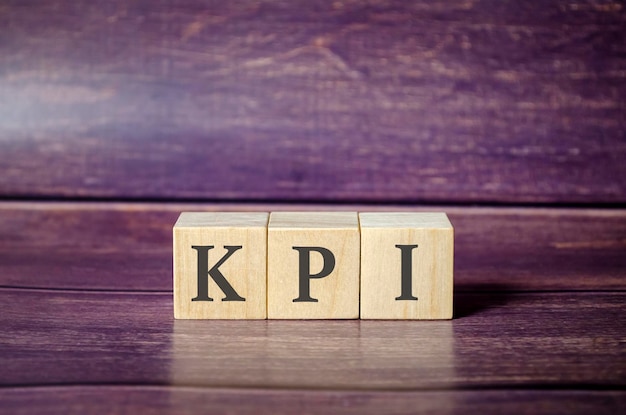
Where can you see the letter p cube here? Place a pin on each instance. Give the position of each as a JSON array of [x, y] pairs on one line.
[[313, 265]]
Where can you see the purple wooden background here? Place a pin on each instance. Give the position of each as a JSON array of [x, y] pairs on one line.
[[419, 101], [344, 104]]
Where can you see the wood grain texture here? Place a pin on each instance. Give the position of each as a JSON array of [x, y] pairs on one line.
[[129, 246], [233, 248], [294, 100], [498, 340], [313, 265], [187, 400], [423, 244]]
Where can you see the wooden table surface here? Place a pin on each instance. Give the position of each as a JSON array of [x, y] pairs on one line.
[[87, 318]]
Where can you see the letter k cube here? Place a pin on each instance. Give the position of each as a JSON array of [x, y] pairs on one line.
[[220, 265]]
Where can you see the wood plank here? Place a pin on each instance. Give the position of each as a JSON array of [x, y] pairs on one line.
[[177, 400], [129, 246], [497, 340], [378, 101]]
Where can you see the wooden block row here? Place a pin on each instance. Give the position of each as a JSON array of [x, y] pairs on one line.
[[313, 265]]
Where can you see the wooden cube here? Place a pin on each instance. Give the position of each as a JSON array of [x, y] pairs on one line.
[[313, 265], [406, 265], [220, 265]]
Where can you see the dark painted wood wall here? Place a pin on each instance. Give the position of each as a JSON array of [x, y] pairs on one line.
[[364, 101], [116, 115]]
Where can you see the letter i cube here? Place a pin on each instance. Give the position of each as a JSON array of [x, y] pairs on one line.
[[406, 266], [220, 265]]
